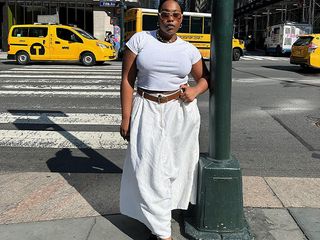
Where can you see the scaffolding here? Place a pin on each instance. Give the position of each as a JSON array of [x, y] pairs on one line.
[[250, 19]]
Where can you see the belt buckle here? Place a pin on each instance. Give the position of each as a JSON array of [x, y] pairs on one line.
[[162, 99]]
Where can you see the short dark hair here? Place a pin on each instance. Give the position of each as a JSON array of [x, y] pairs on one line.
[[163, 1]]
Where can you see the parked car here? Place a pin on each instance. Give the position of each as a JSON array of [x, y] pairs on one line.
[[306, 51], [42, 42]]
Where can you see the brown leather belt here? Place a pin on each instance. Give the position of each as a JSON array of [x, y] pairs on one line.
[[160, 98]]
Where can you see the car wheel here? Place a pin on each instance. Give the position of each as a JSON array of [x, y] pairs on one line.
[[22, 58], [88, 59], [236, 55]]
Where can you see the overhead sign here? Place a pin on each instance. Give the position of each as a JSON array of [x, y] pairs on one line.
[[108, 3]]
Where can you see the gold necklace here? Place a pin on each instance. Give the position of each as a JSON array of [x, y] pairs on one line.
[[163, 40]]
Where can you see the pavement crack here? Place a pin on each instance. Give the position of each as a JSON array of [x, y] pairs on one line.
[[274, 193], [90, 231], [293, 133], [297, 223]]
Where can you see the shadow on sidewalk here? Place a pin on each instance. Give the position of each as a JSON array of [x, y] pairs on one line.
[[95, 177], [64, 161]]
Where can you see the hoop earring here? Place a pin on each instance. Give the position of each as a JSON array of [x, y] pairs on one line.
[[181, 25]]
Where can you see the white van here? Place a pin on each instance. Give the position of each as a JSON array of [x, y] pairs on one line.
[[280, 38]]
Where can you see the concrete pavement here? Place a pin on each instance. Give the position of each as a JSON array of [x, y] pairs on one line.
[[51, 206]]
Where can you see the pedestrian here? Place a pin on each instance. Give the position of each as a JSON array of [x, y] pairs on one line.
[[161, 122]]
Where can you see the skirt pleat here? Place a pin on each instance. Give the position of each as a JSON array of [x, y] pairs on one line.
[[160, 169]]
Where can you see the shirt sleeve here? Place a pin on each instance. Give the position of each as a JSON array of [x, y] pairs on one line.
[[195, 54], [135, 43]]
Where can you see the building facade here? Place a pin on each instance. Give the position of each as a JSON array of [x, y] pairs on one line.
[[251, 17], [86, 14]]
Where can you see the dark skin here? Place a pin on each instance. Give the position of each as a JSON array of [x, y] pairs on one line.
[[168, 29], [170, 26]]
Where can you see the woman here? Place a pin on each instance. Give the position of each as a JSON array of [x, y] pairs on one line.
[[161, 123]]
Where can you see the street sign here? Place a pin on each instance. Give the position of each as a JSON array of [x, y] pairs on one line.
[[108, 3]]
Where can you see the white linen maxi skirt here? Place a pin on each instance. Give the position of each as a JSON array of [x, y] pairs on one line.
[[160, 169]]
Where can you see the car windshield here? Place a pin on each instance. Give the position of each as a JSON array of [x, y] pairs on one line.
[[303, 41], [84, 33]]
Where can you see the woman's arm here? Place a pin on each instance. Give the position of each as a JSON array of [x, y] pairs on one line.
[[129, 73], [200, 74]]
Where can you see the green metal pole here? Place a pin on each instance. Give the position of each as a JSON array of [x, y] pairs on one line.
[[219, 208], [221, 68]]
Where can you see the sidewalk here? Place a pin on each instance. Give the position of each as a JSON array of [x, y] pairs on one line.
[[51, 206]]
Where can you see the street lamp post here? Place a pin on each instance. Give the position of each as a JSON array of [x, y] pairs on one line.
[[219, 210]]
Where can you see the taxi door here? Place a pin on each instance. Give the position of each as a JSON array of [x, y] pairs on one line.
[[65, 44], [39, 43]]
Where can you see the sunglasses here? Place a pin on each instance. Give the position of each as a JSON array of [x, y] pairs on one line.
[[164, 15]]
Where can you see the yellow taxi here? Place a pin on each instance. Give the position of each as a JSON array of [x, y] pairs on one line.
[[306, 51], [238, 49], [46, 42]]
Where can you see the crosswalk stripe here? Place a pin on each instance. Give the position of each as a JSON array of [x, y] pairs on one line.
[[65, 81], [62, 81], [61, 93], [261, 58], [59, 76], [61, 139], [63, 87], [60, 118], [254, 58], [64, 70], [60, 72], [72, 67]]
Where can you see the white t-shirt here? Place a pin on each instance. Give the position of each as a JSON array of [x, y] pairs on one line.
[[162, 66]]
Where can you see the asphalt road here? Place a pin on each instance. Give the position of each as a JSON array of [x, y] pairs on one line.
[[65, 117]]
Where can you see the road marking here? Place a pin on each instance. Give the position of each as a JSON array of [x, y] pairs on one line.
[[59, 87], [61, 72], [290, 80], [254, 58], [60, 76], [60, 118], [261, 58], [60, 93], [73, 67], [61, 139], [65, 70], [71, 81]]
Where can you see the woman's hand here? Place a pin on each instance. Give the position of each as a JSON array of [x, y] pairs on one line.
[[188, 93], [125, 129]]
